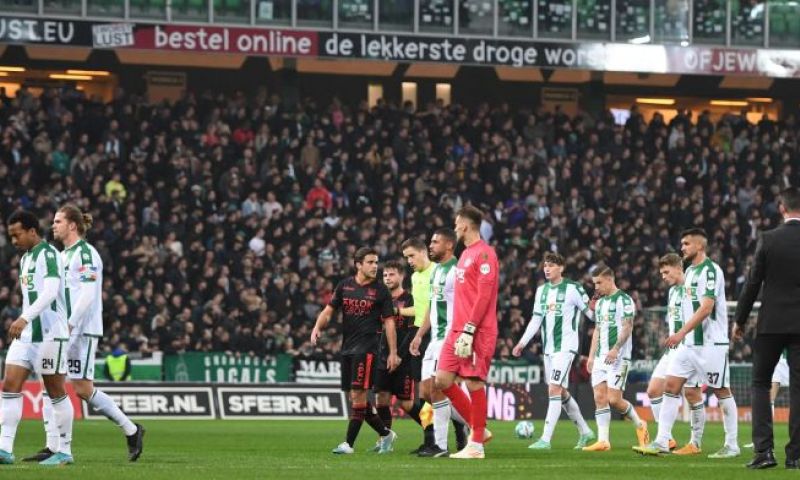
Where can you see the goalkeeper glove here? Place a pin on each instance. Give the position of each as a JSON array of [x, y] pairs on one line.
[[463, 345]]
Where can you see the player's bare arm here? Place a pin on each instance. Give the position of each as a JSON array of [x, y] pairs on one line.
[[624, 335], [322, 321], [593, 348], [393, 361], [421, 332]]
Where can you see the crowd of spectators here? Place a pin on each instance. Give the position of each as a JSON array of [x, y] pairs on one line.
[[224, 221]]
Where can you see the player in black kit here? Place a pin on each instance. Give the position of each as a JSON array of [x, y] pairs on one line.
[[401, 381], [366, 306]]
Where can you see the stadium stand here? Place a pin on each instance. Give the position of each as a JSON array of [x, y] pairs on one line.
[[225, 220]]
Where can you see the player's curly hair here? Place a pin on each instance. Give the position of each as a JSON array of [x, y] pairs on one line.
[[553, 257]]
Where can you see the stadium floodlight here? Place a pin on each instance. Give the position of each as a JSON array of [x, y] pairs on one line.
[[729, 103], [94, 73], [61, 76], [656, 101], [759, 99], [11, 69]]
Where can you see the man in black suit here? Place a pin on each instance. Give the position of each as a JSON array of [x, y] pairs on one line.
[[777, 267]]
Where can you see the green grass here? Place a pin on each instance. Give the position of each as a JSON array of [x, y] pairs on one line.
[[232, 450]]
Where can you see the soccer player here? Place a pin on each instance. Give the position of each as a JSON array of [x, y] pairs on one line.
[[703, 349], [438, 320], [780, 378], [83, 277], [556, 309], [469, 346], [365, 303], [399, 382], [671, 269], [610, 356], [40, 336], [416, 254]]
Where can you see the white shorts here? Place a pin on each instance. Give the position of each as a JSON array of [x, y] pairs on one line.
[[781, 374], [615, 375], [80, 357], [46, 358], [556, 368], [431, 359], [706, 365], [662, 371]]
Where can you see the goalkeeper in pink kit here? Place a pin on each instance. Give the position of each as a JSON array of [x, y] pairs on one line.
[[469, 347]]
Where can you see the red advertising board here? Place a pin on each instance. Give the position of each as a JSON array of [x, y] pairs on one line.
[[32, 401]]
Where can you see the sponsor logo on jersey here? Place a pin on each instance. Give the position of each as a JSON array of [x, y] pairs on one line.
[[554, 307], [460, 272], [467, 262], [87, 273]]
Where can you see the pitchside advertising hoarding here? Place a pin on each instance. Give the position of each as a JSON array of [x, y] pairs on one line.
[[402, 48]]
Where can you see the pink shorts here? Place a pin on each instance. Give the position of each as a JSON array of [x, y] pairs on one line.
[[477, 366]]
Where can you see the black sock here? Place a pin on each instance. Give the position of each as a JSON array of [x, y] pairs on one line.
[[430, 438], [415, 409], [460, 436], [386, 416], [374, 421], [353, 427]]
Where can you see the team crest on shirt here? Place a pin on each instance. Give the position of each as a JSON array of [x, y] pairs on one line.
[[485, 269], [27, 281], [691, 292]]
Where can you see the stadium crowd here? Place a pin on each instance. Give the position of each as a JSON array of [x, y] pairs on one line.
[[225, 220]]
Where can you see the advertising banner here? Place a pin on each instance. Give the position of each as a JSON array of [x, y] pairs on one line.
[[622, 57], [32, 400], [226, 368], [285, 402], [156, 401]]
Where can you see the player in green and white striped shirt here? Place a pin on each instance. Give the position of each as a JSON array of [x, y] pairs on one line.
[[83, 279], [671, 269], [703, 349], [610, 356], [558, 305], [39, 336], [438, 320]]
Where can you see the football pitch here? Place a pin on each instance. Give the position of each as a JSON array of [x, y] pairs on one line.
[[208, 449]]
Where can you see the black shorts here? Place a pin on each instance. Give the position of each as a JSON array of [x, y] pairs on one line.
[[357, 371], [416, 362], [400, 383]]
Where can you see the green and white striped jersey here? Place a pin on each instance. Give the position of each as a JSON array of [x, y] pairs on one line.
[[674, 316], [40, 262], [83, 271], [559, 306], [706, 280], [443, 290], [609, 314]]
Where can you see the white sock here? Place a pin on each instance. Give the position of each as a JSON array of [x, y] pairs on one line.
[[631, 414], [550, 421], [730, 419], [12, 414], [50, 427], [603, 418], [574, 413], [441, 422], [667, 417], [772, 405], [655, 406], [105, 405], [698, 421], [63, 413]]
